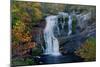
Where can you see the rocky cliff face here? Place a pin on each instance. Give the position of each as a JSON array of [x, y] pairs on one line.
[[37, 32], [83, 26]]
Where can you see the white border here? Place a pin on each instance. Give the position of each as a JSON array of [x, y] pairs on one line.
[[84, 2], [4, 33]]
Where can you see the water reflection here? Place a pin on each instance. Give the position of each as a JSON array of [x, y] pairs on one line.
[[47, 59]]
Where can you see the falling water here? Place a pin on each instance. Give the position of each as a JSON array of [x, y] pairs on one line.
[[83, 19], [64, 15], [52, 44], [69, 25]]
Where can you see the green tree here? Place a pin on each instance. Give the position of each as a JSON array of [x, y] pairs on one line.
[[24, 14]]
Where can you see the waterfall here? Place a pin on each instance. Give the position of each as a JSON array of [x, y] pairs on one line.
[[83, 19], [64, 15], [69, 25], [52, 44]]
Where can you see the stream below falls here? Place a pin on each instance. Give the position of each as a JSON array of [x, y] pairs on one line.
[[49, 59]]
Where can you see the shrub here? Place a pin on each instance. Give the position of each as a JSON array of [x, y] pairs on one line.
[[88, 50]]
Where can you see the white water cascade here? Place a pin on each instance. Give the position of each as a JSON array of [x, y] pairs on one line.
[[64, 15], [69, 25], [52, 44]]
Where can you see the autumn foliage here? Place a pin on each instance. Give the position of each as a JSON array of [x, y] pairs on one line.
[[88, 50], [23, 16]]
